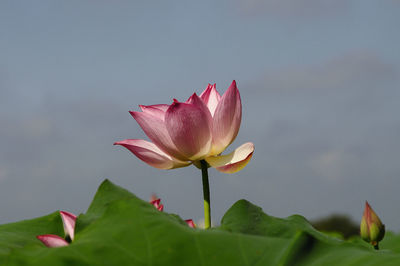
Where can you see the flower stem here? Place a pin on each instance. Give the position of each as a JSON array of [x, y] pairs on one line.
[[206, 194]]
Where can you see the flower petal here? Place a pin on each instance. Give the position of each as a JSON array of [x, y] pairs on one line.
[[211, 97], [53, 241], [189, 125], [69, 223], [157, 110], [234, 161], [155, 129], [156, 203], [226, 119], [149, 153], [190, 223]]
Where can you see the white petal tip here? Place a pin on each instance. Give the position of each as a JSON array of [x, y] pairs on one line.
[[234, 161]]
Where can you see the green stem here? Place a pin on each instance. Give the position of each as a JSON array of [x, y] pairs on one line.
[[206, 194]]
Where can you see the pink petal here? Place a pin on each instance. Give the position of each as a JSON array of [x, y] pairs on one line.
[[52, 241], [155, 129], [69, 223], [226, 120], [190, 223], [157, 204], [211, 97], [189, 126], [157, 110], [234, 161], [149, 153]]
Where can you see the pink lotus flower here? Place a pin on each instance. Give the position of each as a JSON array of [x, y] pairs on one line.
[[52, 241], [186, 132]]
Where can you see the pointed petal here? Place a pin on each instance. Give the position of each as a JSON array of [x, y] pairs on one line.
[[52, 241], [211, 97], [234, 161], [190, 223], [156, 203], [161, 107], [226, 119], [189, 125], [154, 127], [157, 110], [152, 155], [69, 223]]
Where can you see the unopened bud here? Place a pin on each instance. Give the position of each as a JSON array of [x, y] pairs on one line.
[[371, 228], [190, 223], [157, 203]]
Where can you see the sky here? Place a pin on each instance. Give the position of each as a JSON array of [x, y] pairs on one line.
[[319, 82]]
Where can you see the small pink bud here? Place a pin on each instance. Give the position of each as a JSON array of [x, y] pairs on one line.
[[190, 223], [371, 228], [157, 204]]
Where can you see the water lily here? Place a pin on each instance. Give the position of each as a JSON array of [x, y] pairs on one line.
[[187, 132], [196, 131], [52, 241]]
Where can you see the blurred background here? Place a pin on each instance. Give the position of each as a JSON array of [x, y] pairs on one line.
[[319, 82]]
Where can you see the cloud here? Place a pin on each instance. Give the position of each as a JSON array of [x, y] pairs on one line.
[[354, 68], [289, 9], [3, 172], [334, 165], [327, 129]]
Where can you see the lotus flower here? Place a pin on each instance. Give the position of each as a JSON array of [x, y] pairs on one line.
[[187, 132], [52, 241]]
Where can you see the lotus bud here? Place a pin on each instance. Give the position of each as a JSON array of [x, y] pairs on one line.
[[190, 223], [156, 203], [371, 228]]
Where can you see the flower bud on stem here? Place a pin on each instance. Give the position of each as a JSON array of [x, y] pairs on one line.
[[371, 228]]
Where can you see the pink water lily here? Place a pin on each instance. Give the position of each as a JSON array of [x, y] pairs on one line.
[[187, 132], [52, 241]]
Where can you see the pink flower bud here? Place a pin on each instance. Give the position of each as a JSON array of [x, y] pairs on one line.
[[157, 204], [371, 228], [190, 223]]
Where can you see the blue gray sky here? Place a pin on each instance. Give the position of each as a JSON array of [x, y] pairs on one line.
[[319, 82]]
